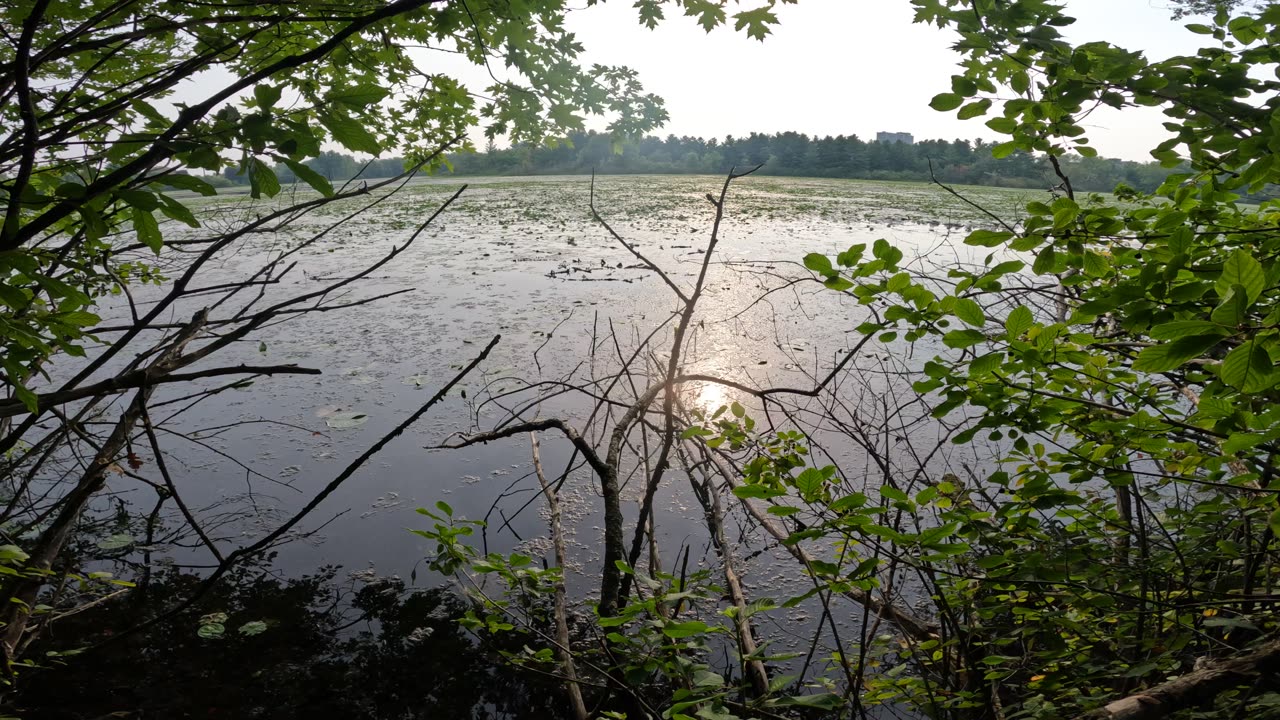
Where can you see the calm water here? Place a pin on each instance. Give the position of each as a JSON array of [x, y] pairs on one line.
[[522, 258]]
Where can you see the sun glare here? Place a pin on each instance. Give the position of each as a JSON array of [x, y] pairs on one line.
[[708, 397]]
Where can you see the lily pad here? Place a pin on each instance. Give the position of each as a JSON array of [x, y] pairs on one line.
[[211, 631], [254, 627], [346, 420]]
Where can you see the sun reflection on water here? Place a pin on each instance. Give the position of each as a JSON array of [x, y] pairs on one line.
[[708, 397]]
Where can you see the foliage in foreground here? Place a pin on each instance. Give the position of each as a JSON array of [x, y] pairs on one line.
[[1122, 357]]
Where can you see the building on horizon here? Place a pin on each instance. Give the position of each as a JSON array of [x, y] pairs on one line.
[[895, 137]]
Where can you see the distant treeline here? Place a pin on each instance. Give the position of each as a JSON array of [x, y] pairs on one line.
[[789, 153], [796, 154]]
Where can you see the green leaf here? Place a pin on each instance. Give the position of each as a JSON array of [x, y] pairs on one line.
[[1248, 368], [1095, 265], [823, 701], [148, 230], [818, 263], [1018, 322], [262, 179], [986, 363], [1243, 270], [809, 483], [359, 96], [987, 238], [188, 182], [266, 95], [756, 22], [253, 627], [350, 133], [1004, 149], [1241, 441], [756, 491], [684, 629], [1169, 356], [317, 181], [1046, 260], [1233, 311], [12, 554], [943, 102], [177, 211], [78, 318], [141, 200], [974, 109], [1183, 328], [970, 312], [889, 492], [959, 339], [1003, 125], [1006, 267], [707, 679]]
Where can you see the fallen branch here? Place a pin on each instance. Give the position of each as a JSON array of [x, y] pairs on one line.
[[1195, 688]]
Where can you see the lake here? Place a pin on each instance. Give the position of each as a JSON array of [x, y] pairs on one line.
[[523, 258]]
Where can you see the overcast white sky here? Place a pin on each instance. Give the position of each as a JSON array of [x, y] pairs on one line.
[[840, 67], [849, 66], [831, 67]]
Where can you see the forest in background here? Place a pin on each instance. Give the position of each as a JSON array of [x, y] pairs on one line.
[[964, 162]]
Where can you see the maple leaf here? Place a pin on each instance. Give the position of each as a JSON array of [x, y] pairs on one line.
[[756, 22]]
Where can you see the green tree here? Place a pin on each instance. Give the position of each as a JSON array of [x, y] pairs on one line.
[[1123, 353]]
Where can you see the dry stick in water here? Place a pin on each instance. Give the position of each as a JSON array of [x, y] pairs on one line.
[[668, 387], [562, 624], [754, 668]]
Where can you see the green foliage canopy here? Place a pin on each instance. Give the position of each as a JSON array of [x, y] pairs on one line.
[[1123, 351]]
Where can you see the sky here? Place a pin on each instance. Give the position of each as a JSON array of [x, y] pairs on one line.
[[834, 67], [830, 67]]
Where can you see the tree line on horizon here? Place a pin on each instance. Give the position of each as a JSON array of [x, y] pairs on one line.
[[960, 161]]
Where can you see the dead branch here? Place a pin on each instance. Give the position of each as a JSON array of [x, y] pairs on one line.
[[710, 496], [1195, 688], [150, 377], [562, 624]]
